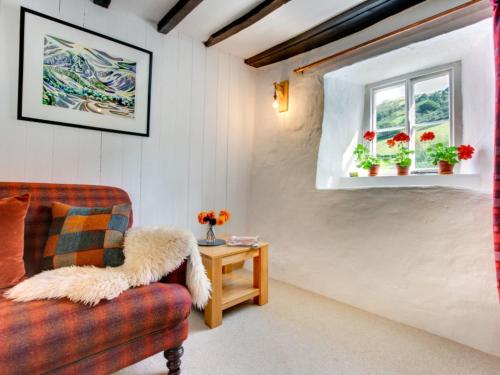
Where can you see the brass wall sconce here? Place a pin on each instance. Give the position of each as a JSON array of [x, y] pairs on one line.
[[281, 96]]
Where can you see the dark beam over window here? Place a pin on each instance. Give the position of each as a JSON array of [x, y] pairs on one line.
[[175, 15], [102, 3], [349, 22], [260, 11]]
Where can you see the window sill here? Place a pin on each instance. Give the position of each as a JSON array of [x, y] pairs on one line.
[[460, 181]]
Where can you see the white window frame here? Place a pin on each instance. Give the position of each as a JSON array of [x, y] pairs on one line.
[[454, 73]]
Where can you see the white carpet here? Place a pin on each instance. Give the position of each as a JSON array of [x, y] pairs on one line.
[[303, 333]]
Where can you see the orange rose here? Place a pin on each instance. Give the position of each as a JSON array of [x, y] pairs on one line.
[[201, 217], [221, 220], [225, 214], [211, 214]]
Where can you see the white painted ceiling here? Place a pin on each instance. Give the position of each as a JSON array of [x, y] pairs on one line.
[[286, 22], [151, 10]]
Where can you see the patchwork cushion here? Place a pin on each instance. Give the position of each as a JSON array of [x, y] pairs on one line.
[[86, 236], [39, 337]]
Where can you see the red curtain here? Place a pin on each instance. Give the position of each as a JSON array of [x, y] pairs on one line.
[[496, 186]]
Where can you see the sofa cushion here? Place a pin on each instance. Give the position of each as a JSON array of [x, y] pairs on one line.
[[86, 236], [12, 213], [39, 214], [40, 336]]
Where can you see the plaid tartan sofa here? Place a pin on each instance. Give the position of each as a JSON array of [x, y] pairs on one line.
[[61, 337]]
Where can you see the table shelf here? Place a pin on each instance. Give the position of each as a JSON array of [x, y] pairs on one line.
[[237, 287]]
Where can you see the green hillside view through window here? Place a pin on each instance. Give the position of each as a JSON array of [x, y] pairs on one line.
[[432, 113]]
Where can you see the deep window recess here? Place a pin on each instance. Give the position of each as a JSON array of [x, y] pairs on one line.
[[415, 103]]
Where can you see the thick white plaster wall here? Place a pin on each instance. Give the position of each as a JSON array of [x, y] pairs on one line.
[[344, 102], [420, 256], [202, 103], [478, 89], [342, 124]]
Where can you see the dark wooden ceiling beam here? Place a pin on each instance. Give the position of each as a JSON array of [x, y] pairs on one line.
[[256, 14], [175, 15], [349, 22], [102, 3]]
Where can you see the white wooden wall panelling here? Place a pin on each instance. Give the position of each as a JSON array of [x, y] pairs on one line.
[[235, 162], [249, 121], [13, 133], [196, 134], [151, 190], [168, 123], [180, 172], [221, 142], [40, 137], [210, 129]]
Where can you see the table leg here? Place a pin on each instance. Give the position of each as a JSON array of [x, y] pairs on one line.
[[213, 310], [260, 278]]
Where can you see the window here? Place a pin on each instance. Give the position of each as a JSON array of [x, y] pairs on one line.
[[415, 103]]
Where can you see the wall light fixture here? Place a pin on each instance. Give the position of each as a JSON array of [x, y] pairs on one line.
[[280, 101]]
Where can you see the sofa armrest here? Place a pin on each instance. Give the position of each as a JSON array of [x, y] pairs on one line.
[[178, 276]]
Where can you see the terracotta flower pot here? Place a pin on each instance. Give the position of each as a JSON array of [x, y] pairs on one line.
[[402, 171], [373, 171], [445, 167]]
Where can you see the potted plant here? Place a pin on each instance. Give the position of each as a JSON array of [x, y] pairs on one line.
[[210, 218], [445, 157], [364, 158], [402, 159]]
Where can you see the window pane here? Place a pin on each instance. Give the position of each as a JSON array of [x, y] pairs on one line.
[[383, 151], [390, 107], [432, 113]]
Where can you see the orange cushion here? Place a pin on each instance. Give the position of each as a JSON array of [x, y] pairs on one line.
[[12, 213]]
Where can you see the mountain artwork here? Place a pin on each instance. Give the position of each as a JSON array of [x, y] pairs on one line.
[[86, 79]]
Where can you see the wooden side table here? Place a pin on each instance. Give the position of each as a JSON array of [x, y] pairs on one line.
[[232, 288]]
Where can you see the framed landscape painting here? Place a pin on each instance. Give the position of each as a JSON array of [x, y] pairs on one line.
[[75, 77]]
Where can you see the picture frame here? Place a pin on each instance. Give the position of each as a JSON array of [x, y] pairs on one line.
[[72, 76]]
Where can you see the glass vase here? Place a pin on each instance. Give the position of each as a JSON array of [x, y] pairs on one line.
[[210, 234]]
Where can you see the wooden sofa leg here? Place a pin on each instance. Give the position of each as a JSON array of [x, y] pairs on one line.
[[173, 357]]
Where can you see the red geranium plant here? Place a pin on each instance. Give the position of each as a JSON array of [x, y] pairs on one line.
[[364, 157], [446, 156], [403, 155]]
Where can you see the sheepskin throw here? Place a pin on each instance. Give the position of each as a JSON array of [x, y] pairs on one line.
[[150, 254]]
